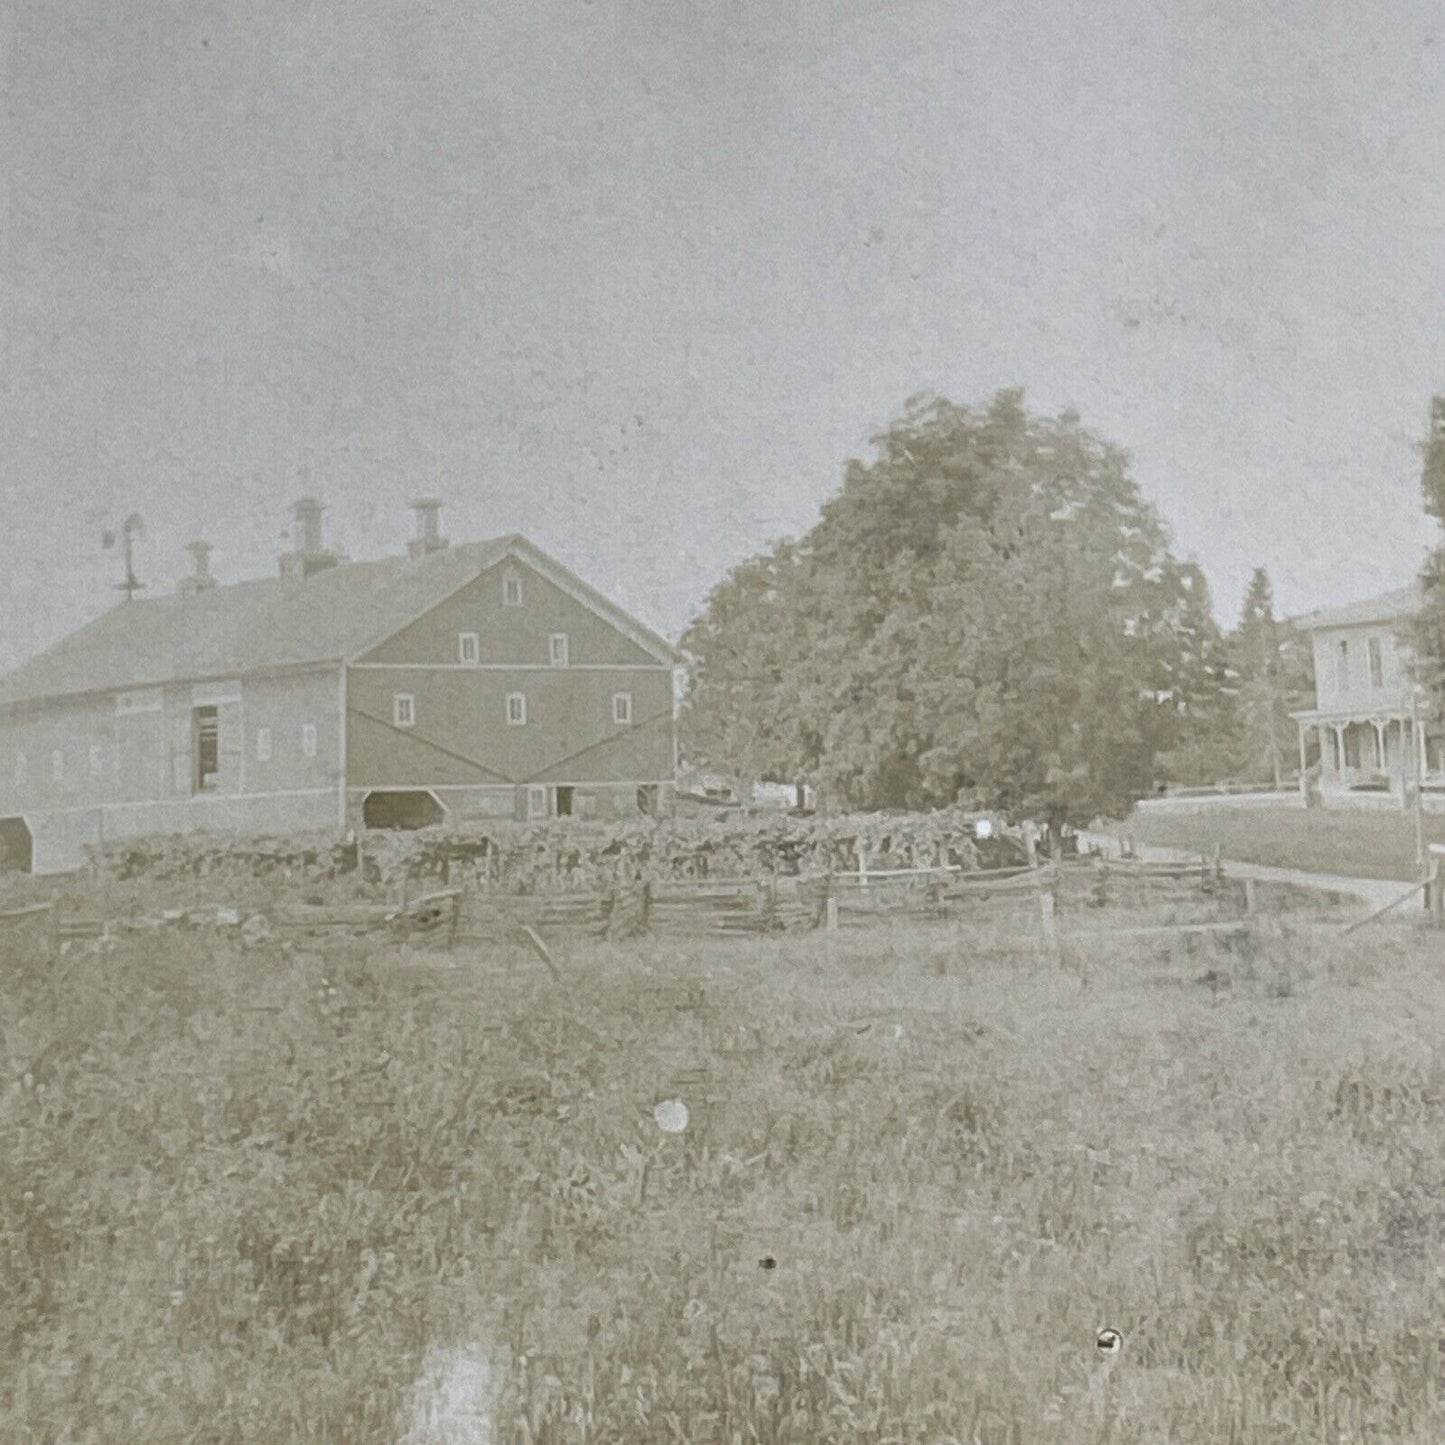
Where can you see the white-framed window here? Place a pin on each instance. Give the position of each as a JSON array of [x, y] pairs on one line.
[[557, 650], [97, 760], [308, 740], [403, 709], [622, 709], [1342, 665], [536, 802], [469, 649], [57, 766], [517, 709], [512, 589], [1377, 663], [22, 768], [263, 745]]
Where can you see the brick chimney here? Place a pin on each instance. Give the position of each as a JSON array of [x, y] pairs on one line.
[[428, 528], [309, 555], [200, 579]]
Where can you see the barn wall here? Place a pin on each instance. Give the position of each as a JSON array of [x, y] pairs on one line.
[[511, 635], [461, 736], [126, 763]]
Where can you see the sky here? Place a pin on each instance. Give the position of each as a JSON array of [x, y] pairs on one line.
[[637, 278]]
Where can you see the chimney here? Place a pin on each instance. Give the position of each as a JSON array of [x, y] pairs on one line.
[[200, 579], [428, 534], [308, 524], [308, 555]]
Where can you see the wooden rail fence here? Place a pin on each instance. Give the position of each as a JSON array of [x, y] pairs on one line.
[[715, 907]]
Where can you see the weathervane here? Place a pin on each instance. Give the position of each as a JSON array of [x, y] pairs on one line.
[[130, 529]]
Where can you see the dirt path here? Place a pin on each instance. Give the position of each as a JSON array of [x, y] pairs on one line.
[[1376, 892]]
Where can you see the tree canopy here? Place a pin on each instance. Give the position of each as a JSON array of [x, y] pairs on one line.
[[988, 610], [1428, 640]]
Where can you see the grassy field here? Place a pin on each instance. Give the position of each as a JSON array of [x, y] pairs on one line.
[[1358, 845], [242, 1194]]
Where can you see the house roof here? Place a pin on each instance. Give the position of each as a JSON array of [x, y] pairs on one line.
[[273, 623], [1393, 606]]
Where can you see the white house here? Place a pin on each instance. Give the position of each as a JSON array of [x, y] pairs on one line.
[[1364, 717]]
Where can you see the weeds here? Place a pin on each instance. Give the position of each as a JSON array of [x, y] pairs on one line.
[[255, 1196]]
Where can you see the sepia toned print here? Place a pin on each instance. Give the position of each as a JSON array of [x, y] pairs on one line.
[[721, 723]]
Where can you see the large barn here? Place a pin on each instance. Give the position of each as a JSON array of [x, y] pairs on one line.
[[455, 681]]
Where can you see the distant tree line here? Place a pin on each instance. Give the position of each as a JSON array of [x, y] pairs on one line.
[[987, 612]]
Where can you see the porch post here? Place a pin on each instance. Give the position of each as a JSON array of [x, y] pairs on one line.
[[1303, 754], [1379, 728]]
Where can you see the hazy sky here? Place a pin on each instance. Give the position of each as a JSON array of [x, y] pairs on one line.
[[637, 277]]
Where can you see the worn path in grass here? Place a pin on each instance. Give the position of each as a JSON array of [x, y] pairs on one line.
[[1375, 892]]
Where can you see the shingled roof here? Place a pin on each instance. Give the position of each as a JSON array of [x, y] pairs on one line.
[[1393, 606], [273, 623]]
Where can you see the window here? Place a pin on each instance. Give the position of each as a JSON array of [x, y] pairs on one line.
[[622, 708], [557, 650], [564, 801], [403, 710], [57, 766], [469, 649], [263, 745], [1377, 663], [1342, 665], [206, 748], [97, 760], [512, 589], [536, 802], [308, 740], [516, 709]]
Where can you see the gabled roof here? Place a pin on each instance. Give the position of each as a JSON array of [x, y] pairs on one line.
[[274, 623], [1394, 606]]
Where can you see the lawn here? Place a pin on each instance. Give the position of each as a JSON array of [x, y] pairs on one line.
[[1356, 845], [243, 1194]]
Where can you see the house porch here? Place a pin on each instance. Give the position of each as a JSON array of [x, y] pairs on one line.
[[1370, 753]]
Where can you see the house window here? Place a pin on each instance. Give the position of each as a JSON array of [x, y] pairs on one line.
[[263, 745], [1342, 665], [206, 748], [97, 760], [557, 650], [57, 766], [536, 802], [564, 798], [512, 589], [1377, 663], [469, 649], [622, 708], [516, 709], [403, 709], [308, 740]]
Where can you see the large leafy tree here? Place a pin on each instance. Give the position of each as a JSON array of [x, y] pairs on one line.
[[987, 609]]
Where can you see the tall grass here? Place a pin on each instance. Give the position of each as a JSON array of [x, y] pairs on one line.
[[244, 1194]]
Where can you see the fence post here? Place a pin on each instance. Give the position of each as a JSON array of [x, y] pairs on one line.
[[861, 849]]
